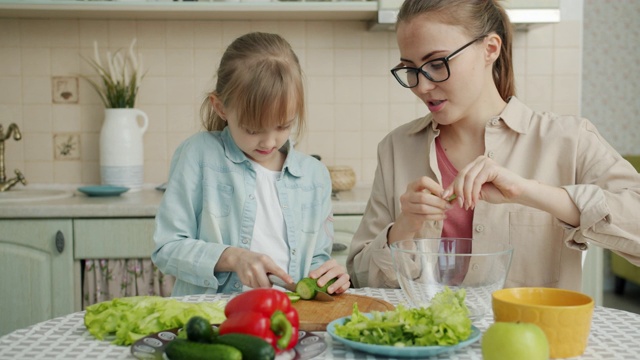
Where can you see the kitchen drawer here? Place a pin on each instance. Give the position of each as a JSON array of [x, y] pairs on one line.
[[113, 238]]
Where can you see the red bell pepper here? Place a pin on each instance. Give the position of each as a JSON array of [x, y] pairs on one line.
[[265, 313]]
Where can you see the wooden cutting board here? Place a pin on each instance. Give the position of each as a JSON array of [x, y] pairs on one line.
[[315, 315]]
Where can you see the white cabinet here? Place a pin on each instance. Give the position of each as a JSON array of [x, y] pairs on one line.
[[36, 272], [192, 10]]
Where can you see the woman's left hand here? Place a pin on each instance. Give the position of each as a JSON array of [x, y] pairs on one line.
[[484, 179], [329, 270]]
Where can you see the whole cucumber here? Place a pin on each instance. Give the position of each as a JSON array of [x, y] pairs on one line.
[[181, 349], [251, 347]]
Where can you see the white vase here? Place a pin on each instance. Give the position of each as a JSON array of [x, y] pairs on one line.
[[121, 148]]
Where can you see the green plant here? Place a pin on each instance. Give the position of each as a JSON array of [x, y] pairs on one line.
[[119, 79]]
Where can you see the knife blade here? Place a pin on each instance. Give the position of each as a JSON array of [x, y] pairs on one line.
[[320, 296]]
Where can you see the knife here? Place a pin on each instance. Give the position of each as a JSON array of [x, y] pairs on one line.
[[320, 296]]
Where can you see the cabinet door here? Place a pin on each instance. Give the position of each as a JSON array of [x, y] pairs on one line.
[[344, 227], [36, 274]]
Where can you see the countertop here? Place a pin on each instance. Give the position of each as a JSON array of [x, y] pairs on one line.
[[142, 203]]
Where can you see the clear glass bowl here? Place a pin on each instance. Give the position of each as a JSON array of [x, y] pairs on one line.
[[424, 267]]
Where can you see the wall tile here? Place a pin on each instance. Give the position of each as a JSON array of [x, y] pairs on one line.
[[34, 33], [65, 62], [320, 89], [67, 172], [64, 33], [319, 35], [38, 172], [10, 61], [93, 31], [179, 34], [36, 61], [347, 62], [151, 34], [319, 62], [348, 117], [539, 61], [348, 145], [36, 90], [348, 34], [179, 62], [38, 147], [207, 34], [320, 117], [9, 33], [66, 118], [348, 90], [121, 33]]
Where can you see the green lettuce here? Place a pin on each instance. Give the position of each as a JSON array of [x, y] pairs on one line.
[[132, 318], [445, 322]]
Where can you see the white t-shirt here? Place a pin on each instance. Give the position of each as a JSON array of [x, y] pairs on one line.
[[269, 231]]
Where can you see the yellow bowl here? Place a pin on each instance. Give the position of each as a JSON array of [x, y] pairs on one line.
[[563, 315]]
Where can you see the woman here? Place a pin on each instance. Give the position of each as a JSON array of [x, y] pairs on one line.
[[548, 184]]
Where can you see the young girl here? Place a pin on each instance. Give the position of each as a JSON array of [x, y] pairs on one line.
[[241, 203], [550, 185]]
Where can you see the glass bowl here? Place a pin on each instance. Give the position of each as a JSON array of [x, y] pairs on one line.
[[424, 267]]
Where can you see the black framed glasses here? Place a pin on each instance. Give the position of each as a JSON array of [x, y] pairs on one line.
[[436, 70]]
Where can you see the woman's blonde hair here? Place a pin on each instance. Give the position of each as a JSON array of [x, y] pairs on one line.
[[477, 17], [259, 76]]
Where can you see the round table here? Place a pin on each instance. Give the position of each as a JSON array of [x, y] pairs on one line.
[[615, 334]]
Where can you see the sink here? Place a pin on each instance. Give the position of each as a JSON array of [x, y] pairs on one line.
[[22, 195]]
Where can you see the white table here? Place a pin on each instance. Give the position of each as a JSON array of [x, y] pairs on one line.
[[615, 334]]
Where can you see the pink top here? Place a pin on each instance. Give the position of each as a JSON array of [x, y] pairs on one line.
[[457, 225], [459, 221]]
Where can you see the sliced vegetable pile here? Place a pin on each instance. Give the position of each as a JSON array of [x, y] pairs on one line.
[[445, 322], [131, 318]]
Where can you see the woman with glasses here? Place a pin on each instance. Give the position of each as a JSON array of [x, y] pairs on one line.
[[549, 185]]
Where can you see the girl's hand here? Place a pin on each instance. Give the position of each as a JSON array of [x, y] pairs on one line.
[[484, 179], [329, 270], [252, 268], [421, 202]]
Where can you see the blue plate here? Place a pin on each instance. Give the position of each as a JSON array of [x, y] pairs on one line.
[[393, 351], [103, 190]]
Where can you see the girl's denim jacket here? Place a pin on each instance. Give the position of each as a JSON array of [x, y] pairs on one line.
[[209, 205]]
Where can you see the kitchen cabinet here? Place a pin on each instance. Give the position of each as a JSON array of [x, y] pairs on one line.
[[36, 271], [192, 10]]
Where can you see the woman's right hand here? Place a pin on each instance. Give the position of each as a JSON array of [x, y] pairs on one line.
[[421, 202], [252, 267]]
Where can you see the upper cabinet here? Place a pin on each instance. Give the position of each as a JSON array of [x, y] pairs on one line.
[[191, 10], [381, 14]]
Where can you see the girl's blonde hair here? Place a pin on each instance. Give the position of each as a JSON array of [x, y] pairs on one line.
[[259, 76], [477, 17]]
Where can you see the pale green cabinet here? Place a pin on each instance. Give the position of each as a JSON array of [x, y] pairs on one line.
[[36, 272]]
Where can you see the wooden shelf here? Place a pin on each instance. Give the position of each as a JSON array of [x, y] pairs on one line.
[[259, 10]]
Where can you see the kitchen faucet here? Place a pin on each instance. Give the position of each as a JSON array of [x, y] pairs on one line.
[[4, 183]]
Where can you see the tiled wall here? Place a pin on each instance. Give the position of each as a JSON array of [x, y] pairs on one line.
[[353, 101]]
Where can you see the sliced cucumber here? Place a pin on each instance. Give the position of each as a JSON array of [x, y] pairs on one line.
[[293, 297], [307, 288]]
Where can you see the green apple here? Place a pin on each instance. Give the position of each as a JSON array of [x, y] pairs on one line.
[[511, 340]]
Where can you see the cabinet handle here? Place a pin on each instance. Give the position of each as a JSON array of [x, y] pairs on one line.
[[60, 241]]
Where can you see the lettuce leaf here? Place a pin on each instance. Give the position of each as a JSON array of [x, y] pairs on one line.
[[132, 318], [445, 322]]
